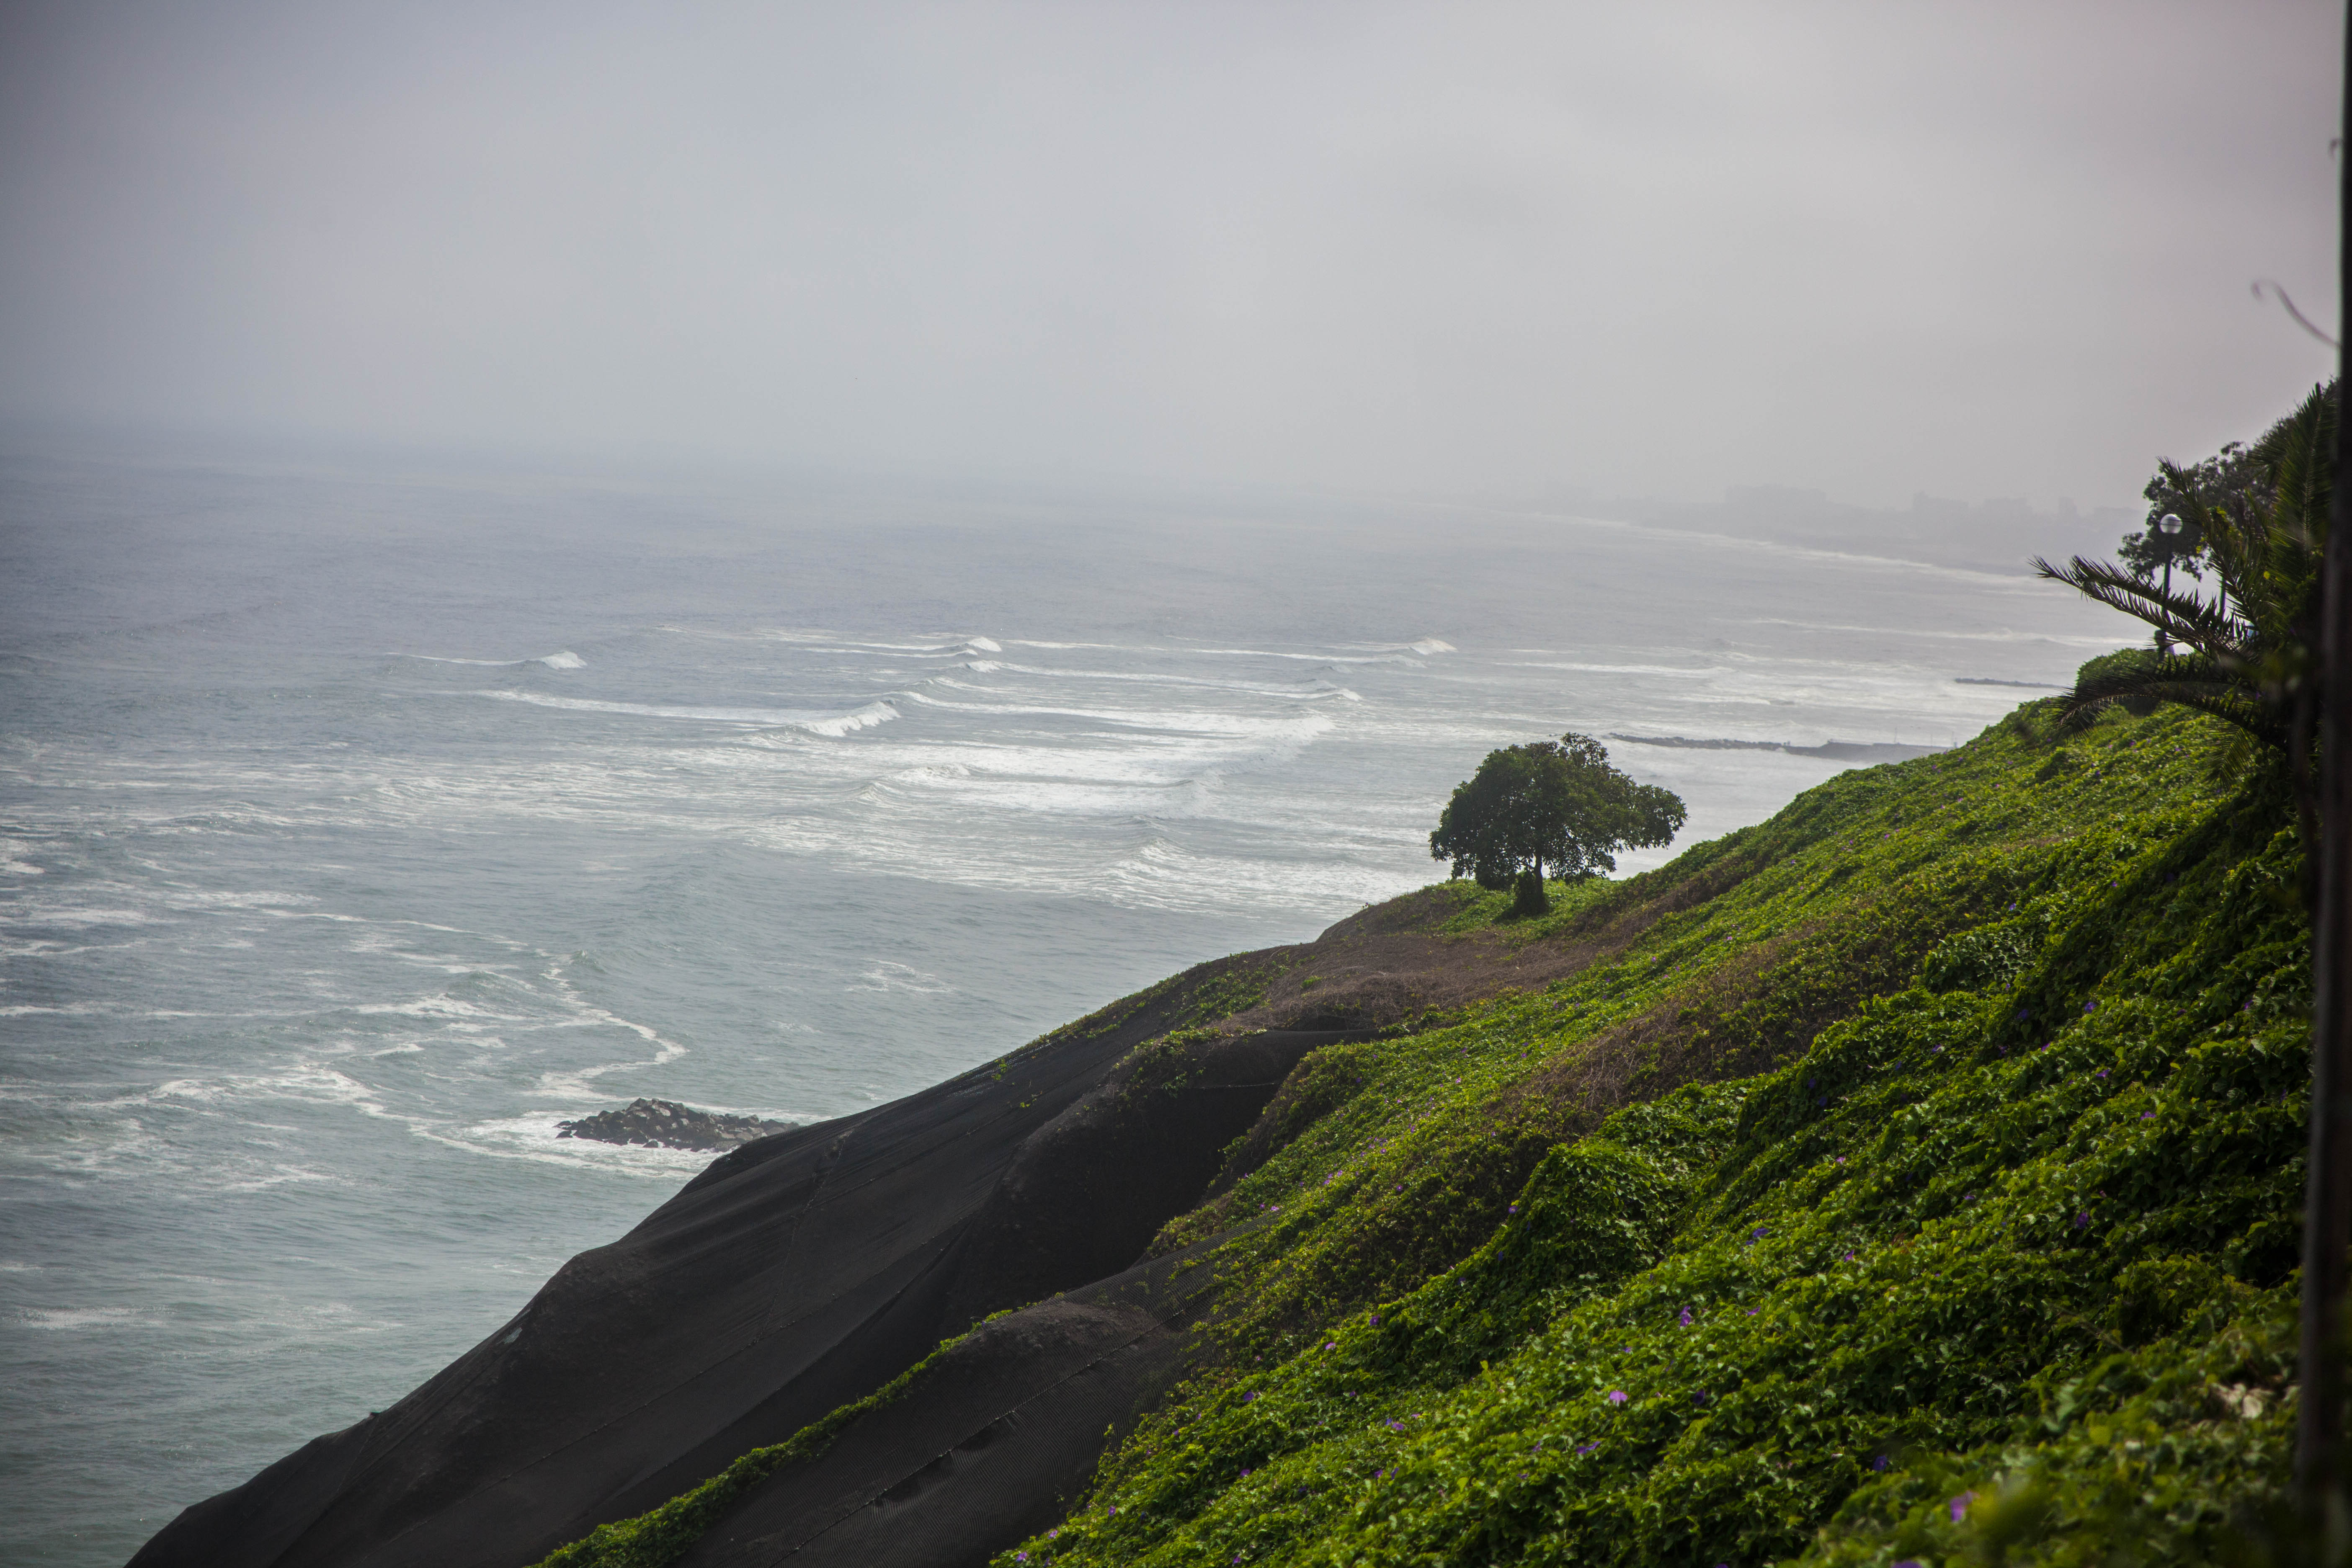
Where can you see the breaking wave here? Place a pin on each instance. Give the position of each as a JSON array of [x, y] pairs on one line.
[[816, 722]]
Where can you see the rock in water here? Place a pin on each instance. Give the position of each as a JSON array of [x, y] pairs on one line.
[[665, 1125]]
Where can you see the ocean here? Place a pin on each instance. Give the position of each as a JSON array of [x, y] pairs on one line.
[[362, 818]]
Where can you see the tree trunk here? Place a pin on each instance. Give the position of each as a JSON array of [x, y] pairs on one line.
[[2327, 1209]]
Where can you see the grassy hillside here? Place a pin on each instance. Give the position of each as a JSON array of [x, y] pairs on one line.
[[2019, 1224], [1913, 1174]]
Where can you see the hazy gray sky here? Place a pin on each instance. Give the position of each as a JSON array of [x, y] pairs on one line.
[[1974, 247]]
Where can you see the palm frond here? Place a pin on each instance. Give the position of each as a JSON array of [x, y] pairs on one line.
[[2181, 615], [2264, 530]]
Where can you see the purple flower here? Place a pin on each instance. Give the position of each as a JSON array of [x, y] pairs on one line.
[[1376, 1317], [2081, 1220], [1021, 1557], [1587, 1449], [1959, 1505], [2090, 1007], [1053, 1532], [2148, 1116], [1686, 1317], [1616, 1396], [1332, 1346], [1515, 1208], [1879, 1463], [1756, 1235]]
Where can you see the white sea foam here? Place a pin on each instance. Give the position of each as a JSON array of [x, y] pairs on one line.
[[69, 1317], [887, 976], [1306, 691], [40, 948], [234, 899], [1175, 721], [864, 717], [563, 658], [75, 918], [276, 1174], [940, 646], [536, 1137], [1674, 669], [1388, 655], [577, 1084], [815, 721], [429, 1008]]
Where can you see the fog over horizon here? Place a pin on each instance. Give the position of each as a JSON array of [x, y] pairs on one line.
[[1496, 252]]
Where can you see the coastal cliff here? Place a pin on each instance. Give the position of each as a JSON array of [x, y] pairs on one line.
[[1930, 1150]]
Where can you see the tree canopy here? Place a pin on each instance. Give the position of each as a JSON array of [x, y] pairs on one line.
[[2244, 659], [1551, 804]]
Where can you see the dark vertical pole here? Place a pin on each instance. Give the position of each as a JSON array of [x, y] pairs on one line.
[[2328, 1211], [2163, 643]]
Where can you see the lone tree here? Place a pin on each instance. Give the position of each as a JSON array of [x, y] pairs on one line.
[[1555, 804]]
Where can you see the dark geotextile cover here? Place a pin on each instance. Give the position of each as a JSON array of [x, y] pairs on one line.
[[795, 1275], [985, 1448]]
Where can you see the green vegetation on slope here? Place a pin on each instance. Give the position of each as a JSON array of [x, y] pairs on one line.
[[1914, 1173], [2004, 1252]]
